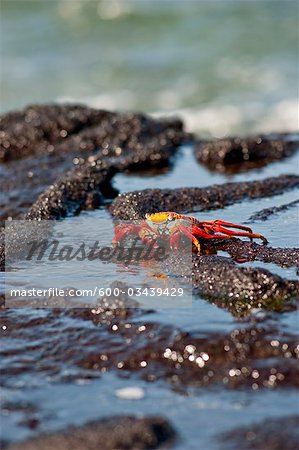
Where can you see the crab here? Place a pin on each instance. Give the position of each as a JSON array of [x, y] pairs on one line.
[[172, 226]]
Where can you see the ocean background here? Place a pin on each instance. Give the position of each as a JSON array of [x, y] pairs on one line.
[[224, 66]]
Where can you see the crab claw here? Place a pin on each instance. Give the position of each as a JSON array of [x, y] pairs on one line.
[[121, 231]]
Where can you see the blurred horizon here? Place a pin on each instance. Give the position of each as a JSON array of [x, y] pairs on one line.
[[225, 67]]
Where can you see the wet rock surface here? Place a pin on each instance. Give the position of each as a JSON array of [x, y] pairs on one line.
[[22, 181], [240, 154], [134, 205], [235, 287], [264, 214], [113, 337], [271, 434], [107, 434], [60, 160], [106, 144], [244, 251], [52, 129], [40, 143], [222, 281], [35, 129], [92, 178], [86, 186]]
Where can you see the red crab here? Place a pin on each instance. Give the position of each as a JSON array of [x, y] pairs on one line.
[[172, 225]]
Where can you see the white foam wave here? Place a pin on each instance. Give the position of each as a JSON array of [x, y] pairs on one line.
[[220, 120], [215, 119]]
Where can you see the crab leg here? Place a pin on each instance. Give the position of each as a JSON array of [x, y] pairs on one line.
[[239, 233], [227, 224], [203, 234], [175, 236]]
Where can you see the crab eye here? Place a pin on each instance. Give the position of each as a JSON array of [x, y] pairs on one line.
[[170, 217]]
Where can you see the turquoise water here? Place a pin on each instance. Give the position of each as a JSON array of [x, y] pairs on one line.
[[229, 66]]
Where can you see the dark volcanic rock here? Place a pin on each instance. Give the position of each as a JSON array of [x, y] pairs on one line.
[[54, 138], [245, 358], [38, 128], [237, 154], [121, 141], [270, 434], [123, 432], [241, 288], [230, 286], [134, 205], [234, 287], [264, 214], [243, 251], [50, 129], [91, 342], [22, 181], [72, 191]]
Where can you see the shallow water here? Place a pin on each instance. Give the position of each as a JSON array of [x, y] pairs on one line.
[[58, 388], [186, 172], [61, 403]]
